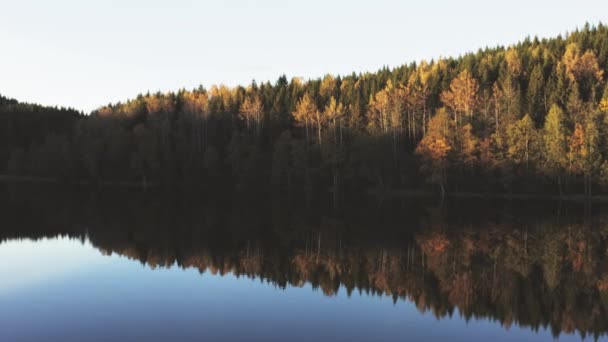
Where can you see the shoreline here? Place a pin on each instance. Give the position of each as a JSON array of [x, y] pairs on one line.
[[487, 195], [50, 180], [392, 193]]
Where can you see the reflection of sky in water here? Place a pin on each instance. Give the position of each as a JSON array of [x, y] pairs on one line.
[[60, 289], [27, 263]]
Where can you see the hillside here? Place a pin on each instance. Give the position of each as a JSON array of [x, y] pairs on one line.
[[525, 118]]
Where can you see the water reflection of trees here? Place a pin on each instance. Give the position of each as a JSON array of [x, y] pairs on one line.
[[532, 266]]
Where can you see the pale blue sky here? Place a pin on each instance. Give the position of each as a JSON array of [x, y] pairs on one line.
[[86, 53]]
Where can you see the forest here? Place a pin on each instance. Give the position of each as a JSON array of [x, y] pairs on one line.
[[526, 118]]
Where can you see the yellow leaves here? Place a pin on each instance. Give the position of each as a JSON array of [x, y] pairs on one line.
[[251, 110], [196, 102], [347, 86], [462, 97], [522, 138], [604, 105], [486, 63], [424, 72], [581, 66], [468, 145], [306, 111], [513, 62], [328, 86], [104, 111], [159, 103], [297, 81], [497, 94], [438, 148], [381, 100], [251, 106], [435, 146], [588, 65], [439, 124], [417, 88], [570, 57], [554, 137], [222, 95], [221, 91], [577, 140], [385, 107], [584, 147], [440, 66], [333, 110], [536, 52]]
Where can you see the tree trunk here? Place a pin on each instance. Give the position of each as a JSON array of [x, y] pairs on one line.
[[319, 132], [424, 116]]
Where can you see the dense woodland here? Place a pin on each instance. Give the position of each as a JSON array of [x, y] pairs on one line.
[[531, 117], [525, 264]]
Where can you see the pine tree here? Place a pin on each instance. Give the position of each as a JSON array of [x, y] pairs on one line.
[[534, 96]]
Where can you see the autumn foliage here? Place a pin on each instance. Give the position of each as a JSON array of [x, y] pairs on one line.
[[530, 117]]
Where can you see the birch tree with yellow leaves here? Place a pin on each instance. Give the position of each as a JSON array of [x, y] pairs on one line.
[[462, 97]]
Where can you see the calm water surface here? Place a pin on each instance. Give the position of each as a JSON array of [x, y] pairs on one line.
[[132, 269]]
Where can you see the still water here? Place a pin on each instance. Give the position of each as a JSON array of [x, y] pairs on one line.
[[130, 268]]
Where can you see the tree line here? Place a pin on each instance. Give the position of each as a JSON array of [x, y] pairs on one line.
[[530, 117]]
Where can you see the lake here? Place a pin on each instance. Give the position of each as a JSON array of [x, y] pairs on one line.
[[130, 266]]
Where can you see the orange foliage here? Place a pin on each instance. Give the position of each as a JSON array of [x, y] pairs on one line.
[[468, 145], [577, 149], [486, 155], [195, 102], [577, 252], [461, 290], [602, 284], [579, 66], [435, 245]]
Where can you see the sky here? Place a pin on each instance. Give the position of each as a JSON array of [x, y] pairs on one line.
[[88, 53]]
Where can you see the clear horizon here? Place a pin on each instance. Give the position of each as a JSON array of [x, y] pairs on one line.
[[71, 54]]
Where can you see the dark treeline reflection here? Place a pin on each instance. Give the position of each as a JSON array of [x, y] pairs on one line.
[[535, 265]]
